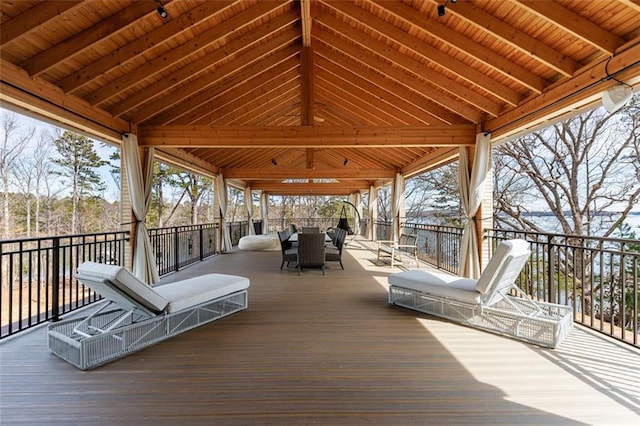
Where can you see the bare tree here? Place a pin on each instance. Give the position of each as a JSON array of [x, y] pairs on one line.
[[15, 137], [435, 193], [585, 171]]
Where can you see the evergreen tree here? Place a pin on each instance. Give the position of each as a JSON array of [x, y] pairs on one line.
[[78, 163]]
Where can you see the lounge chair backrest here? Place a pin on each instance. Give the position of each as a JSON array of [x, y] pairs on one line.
[[407, 240], [503, 269], [117, 284]]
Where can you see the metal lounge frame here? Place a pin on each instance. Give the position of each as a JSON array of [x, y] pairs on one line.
[[135, 315], [493, 302]]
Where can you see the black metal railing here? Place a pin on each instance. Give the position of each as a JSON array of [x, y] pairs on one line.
[[179, 246], [598, 277], [36, 276]]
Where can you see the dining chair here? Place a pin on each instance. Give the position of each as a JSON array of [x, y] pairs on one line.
[[311, 251]]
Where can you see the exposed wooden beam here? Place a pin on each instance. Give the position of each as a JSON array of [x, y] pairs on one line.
[[452, 38], [305, 15], [78, 43], [307, 137], [184, 160], [434, 160], [583, 89], [407, 72], [229, 104], [390, 92], [340, 188], [431, 54], [135, 48], [515, 38], [42, 98], [582, 28], [279, 173], [14, 29], [243, 67], [306, 86], [161, 87]]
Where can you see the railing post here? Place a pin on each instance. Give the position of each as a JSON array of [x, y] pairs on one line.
[[176, 248], [551, 256], [201, 231], [438, 247], [55, 282]]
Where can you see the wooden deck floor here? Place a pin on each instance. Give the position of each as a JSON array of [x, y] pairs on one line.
[[325, 350]]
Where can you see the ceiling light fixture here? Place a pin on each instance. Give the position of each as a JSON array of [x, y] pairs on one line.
[[161, 10], [617, 96], [346, 160], [442, 7], [274, 162]]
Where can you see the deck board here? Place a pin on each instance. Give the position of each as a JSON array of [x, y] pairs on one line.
[[315, 349]]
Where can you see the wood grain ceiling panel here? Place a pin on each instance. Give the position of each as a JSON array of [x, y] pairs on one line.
[[363, 67]]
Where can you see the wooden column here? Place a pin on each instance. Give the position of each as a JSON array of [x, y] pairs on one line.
[[484, 216]]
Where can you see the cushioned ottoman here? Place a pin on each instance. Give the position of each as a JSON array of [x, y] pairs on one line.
[[259, 242]]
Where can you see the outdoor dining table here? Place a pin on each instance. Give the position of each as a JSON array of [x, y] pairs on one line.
[[294, 238]]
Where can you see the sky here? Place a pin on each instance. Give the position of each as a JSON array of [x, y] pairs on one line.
[[112, 192]]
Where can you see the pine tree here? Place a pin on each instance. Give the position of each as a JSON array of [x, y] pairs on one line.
[[79, 163]]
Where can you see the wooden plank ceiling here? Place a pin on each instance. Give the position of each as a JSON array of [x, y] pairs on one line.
[[312, 96]]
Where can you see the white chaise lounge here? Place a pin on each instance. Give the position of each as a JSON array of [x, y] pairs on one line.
[[493, 302], [136, 315]]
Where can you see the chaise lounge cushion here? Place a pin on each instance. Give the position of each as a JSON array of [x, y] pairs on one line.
[[125, 282], [443, 285], [514, 248], [194, 291]]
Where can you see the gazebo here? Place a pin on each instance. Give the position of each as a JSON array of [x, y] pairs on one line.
[[313, 96]]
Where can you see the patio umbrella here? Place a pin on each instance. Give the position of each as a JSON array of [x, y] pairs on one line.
[[221, 192], [140, 194], [471, 189]]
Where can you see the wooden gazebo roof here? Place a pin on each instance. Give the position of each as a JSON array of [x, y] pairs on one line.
[[330, 95]]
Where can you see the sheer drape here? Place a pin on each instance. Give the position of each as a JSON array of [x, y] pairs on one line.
[[248, 203], [139, 181], [264, 210], [397, 194], [471, 190], [357, 201], [221, 193], [373, 212]]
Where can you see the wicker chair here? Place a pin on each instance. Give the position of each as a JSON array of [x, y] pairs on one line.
[[311, 251], [310, 230], [289, 254], [334, 253]]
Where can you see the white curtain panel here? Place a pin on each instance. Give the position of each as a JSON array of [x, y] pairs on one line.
[[357, 201], [373, 212], [248, 204], [471, 190], [221, 193], [139, 180], [397, 194], [264, 209]]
